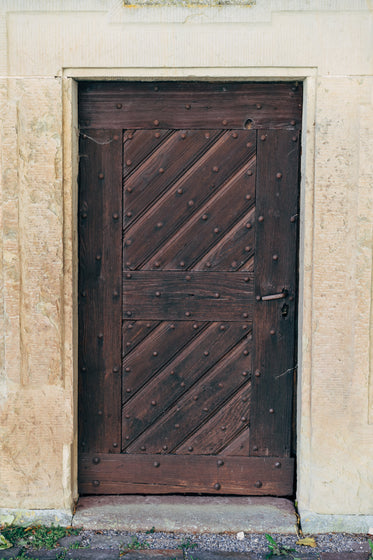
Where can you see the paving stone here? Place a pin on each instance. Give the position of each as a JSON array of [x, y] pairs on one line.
[[109, 541], [171, 554], [361, 546], [153, 555], [10, 552], [43, 554], [220, 555], [57, 553], [92, 554], [68, 541], [345, 556]]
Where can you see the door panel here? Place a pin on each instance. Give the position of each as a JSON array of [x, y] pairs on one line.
[[275, 276], [100, 313], [187, 283]]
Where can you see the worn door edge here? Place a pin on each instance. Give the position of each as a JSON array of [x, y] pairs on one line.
[[70, 78]]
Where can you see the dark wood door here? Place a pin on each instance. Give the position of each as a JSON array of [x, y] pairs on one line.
[[188, 209]]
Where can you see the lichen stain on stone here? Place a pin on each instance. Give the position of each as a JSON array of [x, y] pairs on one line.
[[187, 3]]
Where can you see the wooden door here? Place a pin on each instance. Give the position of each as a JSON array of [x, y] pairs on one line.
[[188, 210]]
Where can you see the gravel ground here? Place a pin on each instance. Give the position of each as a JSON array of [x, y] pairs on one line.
[[252, 542]]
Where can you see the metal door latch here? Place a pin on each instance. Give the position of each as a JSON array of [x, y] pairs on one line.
[[270, 297]]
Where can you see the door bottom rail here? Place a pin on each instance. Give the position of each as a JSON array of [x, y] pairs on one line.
[[109, 473]]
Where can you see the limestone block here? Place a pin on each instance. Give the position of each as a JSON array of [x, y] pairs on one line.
[[40, 225], [339, 476], [36, 427], [41, 43], [36, 412]]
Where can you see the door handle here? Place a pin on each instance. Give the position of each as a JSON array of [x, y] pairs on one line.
[[270, 297]]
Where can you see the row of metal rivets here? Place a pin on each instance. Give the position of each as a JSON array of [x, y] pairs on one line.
[[216, 294], [217, 485], [156, 464], [195, 398], [191, 203], [204, 217], [188, 314], [188, 106], [129, 242], [206, 353], [183, 136], [182, 383], [179, 191], [183, 264]]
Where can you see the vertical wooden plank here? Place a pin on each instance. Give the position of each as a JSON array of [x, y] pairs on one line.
[[275, 271], [100, 234]]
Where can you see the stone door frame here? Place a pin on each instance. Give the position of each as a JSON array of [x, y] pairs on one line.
[[70, 78]]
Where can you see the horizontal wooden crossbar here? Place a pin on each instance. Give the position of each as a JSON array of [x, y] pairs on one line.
[[189, 105], [171, 295], [105, 473]]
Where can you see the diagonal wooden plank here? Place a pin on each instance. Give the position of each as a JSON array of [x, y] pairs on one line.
[[154, 352], [163, 169], [156, 397], [199, 182], [239, 447], [235, 250], [138, 145], [197, 406], [209, 225], [133, 332], [227, 424]]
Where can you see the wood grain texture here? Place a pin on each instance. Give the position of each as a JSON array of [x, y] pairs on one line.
[[275, 271], [172, 382], [198, 296], [176, 163], [188, 220], [161, 474], [205, 398], [230, 421], [155, 352], [190, 105], [100, 210]]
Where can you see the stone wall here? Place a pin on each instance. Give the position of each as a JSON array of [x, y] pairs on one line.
[[326, 43]]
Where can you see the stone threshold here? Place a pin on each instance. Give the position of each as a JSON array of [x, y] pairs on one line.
[[186, 514]]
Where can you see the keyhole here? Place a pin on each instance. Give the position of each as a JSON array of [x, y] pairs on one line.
[[284, 310]]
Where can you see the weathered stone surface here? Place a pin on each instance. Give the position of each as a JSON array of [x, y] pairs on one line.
[[109, 542], [96, 554], [337, 41], [343, 205], [36, 415], [189, 3], [10, 553], [215, 514], [67, 542], [329, 45], [32, 517], [154, 554], [321, 523]]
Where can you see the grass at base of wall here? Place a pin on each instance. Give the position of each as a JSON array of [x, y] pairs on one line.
[[36, 537]]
